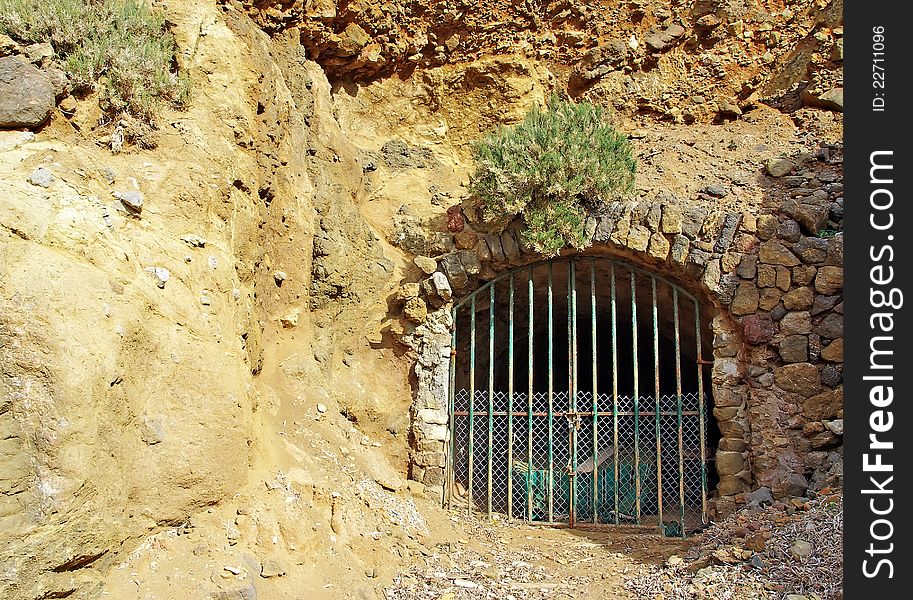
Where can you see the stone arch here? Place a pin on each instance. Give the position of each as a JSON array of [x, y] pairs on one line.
[[753, 270]]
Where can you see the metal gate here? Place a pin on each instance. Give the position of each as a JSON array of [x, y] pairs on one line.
[[618, 436]]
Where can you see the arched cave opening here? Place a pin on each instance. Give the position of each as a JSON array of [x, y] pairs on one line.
[[565, 456]]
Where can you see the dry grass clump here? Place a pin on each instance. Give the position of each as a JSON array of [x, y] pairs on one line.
[[119, 47]]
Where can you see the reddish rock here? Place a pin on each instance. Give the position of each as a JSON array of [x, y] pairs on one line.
[[455, 219], [759, 328]]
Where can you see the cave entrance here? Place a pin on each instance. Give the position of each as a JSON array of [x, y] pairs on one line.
[[577, 396]]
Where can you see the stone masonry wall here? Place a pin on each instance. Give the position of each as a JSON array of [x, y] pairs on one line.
[[774, 281]]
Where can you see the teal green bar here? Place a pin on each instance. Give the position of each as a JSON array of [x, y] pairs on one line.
[[636, 397], [595, 398], [452, 408], [572, 426], [472, 390], [614, 386], [529, 402], [510, 400], [551, 390], [491, 389]]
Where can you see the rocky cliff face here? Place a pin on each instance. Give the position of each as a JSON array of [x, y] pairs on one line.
[[201, 343]]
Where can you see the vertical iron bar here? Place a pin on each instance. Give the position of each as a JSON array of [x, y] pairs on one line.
[[614, 388], [472, 390], [491, 386], [551, 390], [656, 390], [452, 408], [572, 426], [510, 401], [529, 403], [595, 395], [636, 397], [701, 416], [678, 393]]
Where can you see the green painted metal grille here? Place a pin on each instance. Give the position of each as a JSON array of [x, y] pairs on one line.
[[577, 396]]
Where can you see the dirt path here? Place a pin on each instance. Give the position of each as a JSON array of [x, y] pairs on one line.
[[497, 559]]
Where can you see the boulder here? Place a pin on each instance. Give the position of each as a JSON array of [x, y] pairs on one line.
[[26, 95]]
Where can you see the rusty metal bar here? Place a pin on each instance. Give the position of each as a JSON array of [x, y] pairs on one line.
[[452, 408], [510, 399], [472, 392], [659, 452], [701, 416], [678, 393]]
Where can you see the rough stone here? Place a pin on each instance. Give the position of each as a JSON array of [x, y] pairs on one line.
[[770, 297], [494, 247], [161, 275], [131, 199], [415, 310], [810, 215], [729, 463], [441, 286], [794, 485], [804, 274], [767, 276], [784, 278], [509, 245], [835, 251], [835, 426], [759, 328], [659, 246], [693, 221], [799, 299], [824, 405], [760, 496], [453, 268], [794, 349], [671, 220], [773, 252], [811, 250], [465, 239], [796, 322], [470, 262], [26, 95], [748, 266], [801, 549], [801, 378], [679, 251], [426, 264], [41, 177], [829, 280], [831, 327], [153, 430], [832, 375], [727, 232], [778, 167], [833, 352], [638, 238], [823, 304], [746, 299], [789, 231], [767, 226], [272, 567]]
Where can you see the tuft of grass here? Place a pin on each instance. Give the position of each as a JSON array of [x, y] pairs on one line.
[[562, 163], [120, 47]]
